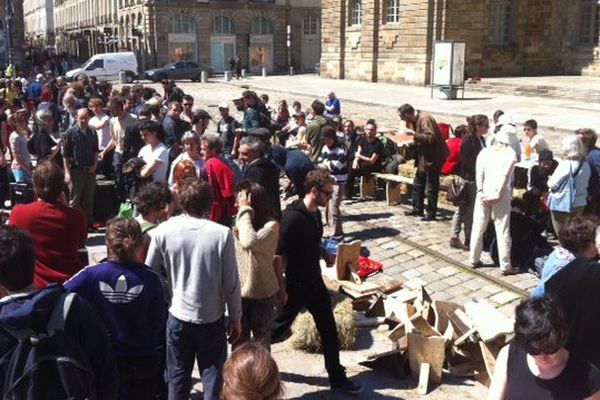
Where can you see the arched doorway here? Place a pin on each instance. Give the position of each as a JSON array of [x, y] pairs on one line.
[[261, 44], [222, 43], [311, 43], [183, 40]]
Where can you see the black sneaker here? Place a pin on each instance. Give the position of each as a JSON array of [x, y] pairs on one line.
[[345, 385]]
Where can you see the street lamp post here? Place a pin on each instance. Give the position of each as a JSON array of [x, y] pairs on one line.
[[141, 44], [9, 14]]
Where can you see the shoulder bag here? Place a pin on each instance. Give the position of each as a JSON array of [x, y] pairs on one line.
[[562, 200]]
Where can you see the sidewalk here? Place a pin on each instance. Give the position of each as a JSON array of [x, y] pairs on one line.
[[554, 116]]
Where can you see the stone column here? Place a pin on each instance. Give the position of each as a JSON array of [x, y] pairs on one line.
[[370, 38], [333, 38]]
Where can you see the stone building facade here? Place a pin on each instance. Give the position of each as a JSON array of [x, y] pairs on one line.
[[208, 32], [85, 27], [38, 17], [392, 40], [17, 33]]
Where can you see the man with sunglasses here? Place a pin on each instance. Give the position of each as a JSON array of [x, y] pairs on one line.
[[188, 105], [300, 250], [537, 143]]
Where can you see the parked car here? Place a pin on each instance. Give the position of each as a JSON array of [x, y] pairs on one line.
[[106, 66], [175, 70]]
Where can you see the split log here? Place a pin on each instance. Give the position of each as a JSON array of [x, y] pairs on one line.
[[461, 322], [441, 310], [489, 322], [376, 307], [424, 378], [347, 253], [430, 350], [355, 291]]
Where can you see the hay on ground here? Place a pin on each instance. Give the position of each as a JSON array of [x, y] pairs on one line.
[[305, 336]]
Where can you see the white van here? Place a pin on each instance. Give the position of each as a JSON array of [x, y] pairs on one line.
[[106, 66]]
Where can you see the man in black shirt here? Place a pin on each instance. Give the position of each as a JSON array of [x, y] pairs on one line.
[[258, 169], [300, 250], [368, 157], [80, 159], [174, 128], [537, 188], [226, 129]]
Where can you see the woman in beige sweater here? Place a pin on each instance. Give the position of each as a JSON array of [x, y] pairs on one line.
[[256, 234]]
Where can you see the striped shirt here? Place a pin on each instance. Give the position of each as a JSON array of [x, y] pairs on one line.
[[335, 160], [81, 147]]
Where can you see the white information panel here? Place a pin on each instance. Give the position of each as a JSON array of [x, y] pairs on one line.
[[449, 64]]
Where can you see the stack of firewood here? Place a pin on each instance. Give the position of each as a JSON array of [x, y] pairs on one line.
[[432, 337]]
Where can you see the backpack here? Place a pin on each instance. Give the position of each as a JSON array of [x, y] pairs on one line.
[[264, 117], [48, 364], [390, 159]]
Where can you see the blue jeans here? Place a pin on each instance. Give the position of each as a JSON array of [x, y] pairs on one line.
[[207, 344], [21, 176], [120, 182]]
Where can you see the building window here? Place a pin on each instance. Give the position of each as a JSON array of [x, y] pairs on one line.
[[500, 22], [310, 26], [262, 26], [589, 22], [356, 12], [222, 25], [392, 11], [181, 23]]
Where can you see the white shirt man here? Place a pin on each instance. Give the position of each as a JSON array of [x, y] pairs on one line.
[[154, 153]]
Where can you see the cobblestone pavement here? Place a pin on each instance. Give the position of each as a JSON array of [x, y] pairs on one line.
[[416, 252], [549, 112], [363, 100]]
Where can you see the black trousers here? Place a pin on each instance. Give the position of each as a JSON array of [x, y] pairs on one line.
[[357, 173], [138, 377], [426, 183], [317, 301]]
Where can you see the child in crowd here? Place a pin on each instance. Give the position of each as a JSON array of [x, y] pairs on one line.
[[333, 158]]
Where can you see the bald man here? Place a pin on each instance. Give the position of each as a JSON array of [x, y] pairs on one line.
[[80, 161]]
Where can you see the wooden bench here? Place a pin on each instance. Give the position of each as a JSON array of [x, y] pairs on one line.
[[367, 186], [397, 187]]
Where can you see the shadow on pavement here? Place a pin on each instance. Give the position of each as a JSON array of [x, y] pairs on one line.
[[367, 217], [371, 382], [373, 233]]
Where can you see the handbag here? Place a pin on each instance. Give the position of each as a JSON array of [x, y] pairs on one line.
[[457, 191], [562, 199]]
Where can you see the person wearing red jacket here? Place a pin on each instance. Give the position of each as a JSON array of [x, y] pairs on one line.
[[452, 163], [220, 177], [57, 230]]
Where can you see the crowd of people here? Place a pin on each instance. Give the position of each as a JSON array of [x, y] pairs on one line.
[[201, 263], [210, 258]]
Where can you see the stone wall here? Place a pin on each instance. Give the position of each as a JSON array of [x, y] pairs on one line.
[[377, 50], [532, 50], [543, 40]]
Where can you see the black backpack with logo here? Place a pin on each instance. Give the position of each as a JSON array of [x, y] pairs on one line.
[[48, 364]]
